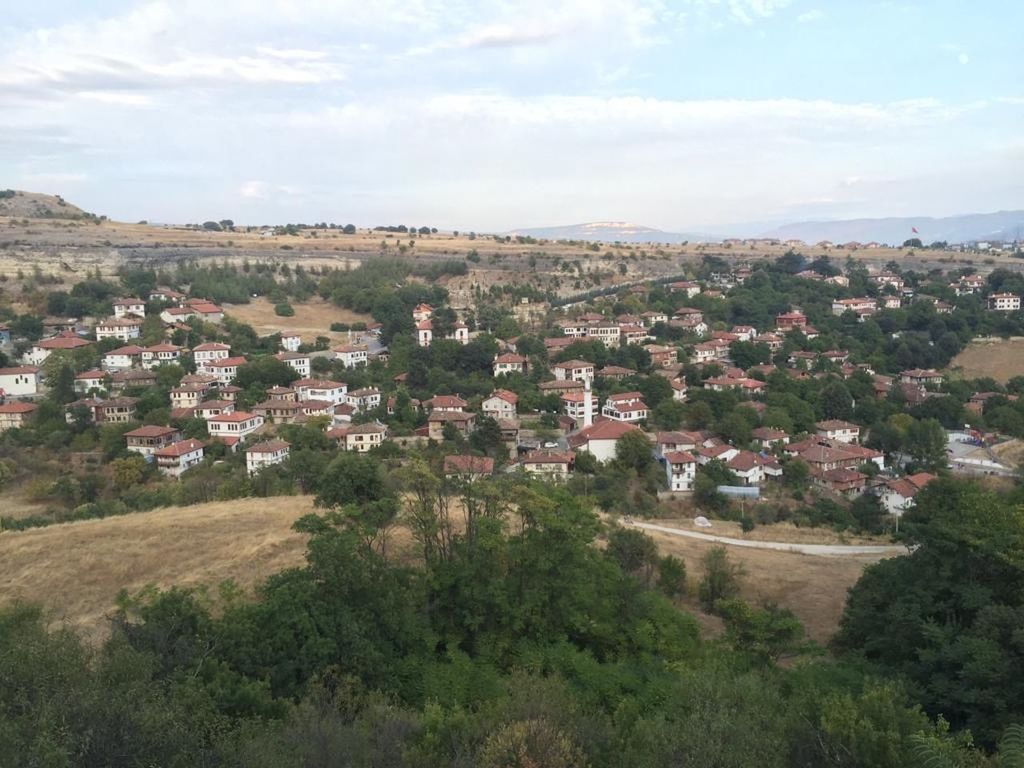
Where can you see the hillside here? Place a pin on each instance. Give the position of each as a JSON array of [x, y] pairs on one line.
[[610, 232], [1002, 225], [35, 205], [75, 570]]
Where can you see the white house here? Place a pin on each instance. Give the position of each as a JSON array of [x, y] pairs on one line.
[[601, 439], [225, 369], [365, 399], [208, 352], [837, 429], [129, 306], [335, 392], [352, 355], [290, 341], [501, 404], [297, 361], [574, 370], [1004, 302], [42, 349], [897, 495], [233, 428], [19, 381], [626, 406], [160, 354], [176, 458], [89, 380], [509, 363], [576, 405], [123, 328], [151, 438], [681, 470], [265, 454], [364, 437], [748, 467], [122, 358], [553, 465]]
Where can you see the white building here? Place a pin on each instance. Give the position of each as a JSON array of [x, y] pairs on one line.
[[897, 495], [233, 428], [176, 458], [225, 369], [334, 392], [680, 470], [160, 354], [123, 328], [265, 454], [19, 381], [129, 306], [501, 404], [364, 437], [836, 429], [290, 341], [1004, 302], [627, 406], [208, 352], [352, 355], [151, 438], [576, 405], [364, 399], [574, 370], [601, 439], [297, 361], [122, 358], [509, 363]]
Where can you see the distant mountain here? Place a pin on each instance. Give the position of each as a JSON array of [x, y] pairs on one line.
[[611, 232], [1002, 225], [35, 205]]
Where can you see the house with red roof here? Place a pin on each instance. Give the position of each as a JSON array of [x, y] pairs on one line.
[[601, 438], [175, 459]]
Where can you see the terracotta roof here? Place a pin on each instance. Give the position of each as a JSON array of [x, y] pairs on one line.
[[476, 465], [548, 457], [17, 408], [831, 425], [62, 342], [151, 430], [268, 446], [180, 448], [231, 417], [212, 346], [680, 457], [507, 396], [607, 429], [20, 369]]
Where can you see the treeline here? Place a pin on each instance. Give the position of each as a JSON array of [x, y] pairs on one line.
[[504, 637]]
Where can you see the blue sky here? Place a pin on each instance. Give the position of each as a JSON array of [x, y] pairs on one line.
[[493, 114]]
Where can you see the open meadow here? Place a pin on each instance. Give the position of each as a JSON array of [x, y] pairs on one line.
[[312, 318], [1000, 359]]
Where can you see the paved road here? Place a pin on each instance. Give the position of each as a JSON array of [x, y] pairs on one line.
[[823, 550]]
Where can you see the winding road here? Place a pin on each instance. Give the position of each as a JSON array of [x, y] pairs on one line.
[[821, 550]]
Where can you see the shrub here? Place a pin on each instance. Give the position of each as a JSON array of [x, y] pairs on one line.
[[284, 310]]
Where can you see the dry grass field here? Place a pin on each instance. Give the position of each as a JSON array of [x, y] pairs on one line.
[[814, 588], [1001, 359], [312, 318], [76, 569], [775, 532]]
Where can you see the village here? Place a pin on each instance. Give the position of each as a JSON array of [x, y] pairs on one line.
[[593, 378]]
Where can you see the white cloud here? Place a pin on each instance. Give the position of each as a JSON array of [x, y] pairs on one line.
[[255, 190], [815, 14], [963, 58]]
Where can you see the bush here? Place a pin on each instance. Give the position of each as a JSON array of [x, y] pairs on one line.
[[721, 579], [284, 310]]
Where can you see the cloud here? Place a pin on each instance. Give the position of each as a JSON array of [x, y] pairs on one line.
[[963, 58], [815, 14], [254, 190]]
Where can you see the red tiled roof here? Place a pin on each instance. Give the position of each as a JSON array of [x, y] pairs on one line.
[[180, 448]]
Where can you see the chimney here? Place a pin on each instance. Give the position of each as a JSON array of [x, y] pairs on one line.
[[588, 403]]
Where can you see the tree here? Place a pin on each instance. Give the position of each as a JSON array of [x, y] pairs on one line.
[[836, 401], [925, 442], [127, 472], [765, 633], [672, 576], [634, 551], [913, 242], [530, 744], [946, 615], [633, 450], [721, 579]]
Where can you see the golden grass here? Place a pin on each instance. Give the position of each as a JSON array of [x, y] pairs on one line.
[[813, 588], [312, 318], [775, 532], [1000, 359], [75, 570]]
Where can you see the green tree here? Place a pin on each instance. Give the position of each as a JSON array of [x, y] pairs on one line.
[[720, 581], [925, 443]]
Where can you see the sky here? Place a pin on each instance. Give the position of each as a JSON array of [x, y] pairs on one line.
[[494, 115]]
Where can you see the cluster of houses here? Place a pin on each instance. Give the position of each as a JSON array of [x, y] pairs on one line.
[[836, 460]]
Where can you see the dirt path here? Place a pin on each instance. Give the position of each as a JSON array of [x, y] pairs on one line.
[[821, 550]]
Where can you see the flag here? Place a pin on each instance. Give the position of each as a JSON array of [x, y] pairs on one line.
[[914, 230]]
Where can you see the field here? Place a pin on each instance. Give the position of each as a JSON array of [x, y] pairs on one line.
[[1001, 359], [76, 569], [814, 588], [312, 318]]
